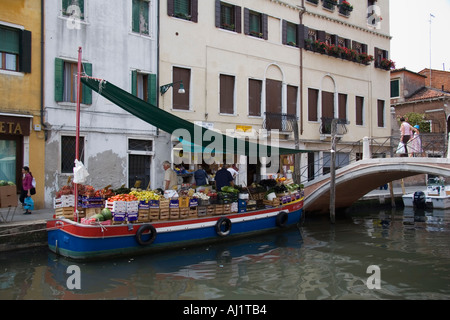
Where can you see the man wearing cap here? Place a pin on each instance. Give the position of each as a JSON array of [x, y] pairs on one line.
[[170, 176]]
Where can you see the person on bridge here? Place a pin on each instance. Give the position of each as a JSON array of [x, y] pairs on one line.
[[415, 144], [406, 131]]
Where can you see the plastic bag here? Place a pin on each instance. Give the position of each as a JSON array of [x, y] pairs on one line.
[[80, 173], [28, 203], [400, 148]]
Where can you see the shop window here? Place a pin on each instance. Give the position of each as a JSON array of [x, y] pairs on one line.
[[66, 82], [140, 21], [8, 150]]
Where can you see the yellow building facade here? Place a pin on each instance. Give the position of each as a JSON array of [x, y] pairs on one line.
[[22, 137]]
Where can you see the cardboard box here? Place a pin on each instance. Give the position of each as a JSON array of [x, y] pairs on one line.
[[8, 196]]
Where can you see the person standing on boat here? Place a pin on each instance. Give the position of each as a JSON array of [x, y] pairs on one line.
[[27, 185], [170, 176]]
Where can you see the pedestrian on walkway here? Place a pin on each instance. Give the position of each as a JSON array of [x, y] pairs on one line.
[[27, 185], [406, 131], [415, 144]]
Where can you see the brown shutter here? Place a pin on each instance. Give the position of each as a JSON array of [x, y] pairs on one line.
[[313, 96], [218, 7], [194, 10], [359, 110], [328, 104], [170, 8], [181, 100], [265, 26], [302, 34], [380, 112], [273, 102], [238, 18], [284, 32], [254, 97], [342, 106], [246, 21], [292, 100], [226, 94]]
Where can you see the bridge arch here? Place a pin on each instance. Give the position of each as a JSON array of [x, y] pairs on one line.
[[356, 180]]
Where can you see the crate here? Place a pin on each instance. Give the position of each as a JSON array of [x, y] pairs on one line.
[[203, 202], [144, 204], [193, 202], [144, 216], [66, 212], [164, 203], [184, 213], [218, 209], [272, 203], [164, 214], [64, 201], [174, 213], [183, 202], [153, 214], [210, 210], [89, 212], [193, 213], [202, 211]]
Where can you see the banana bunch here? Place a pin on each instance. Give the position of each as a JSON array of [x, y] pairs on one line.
[[145, 195]]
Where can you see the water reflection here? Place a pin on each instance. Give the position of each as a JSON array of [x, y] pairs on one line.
[[317, 261]]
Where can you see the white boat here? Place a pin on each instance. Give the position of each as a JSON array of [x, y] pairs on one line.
[[436, 196]]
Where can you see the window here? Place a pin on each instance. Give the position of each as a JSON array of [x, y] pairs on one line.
[[342, 100], [274, 103], [313, 96], [183, 9], [228, 16], [359, 111], [380, 113], [292, 93], [140, 17], [255, 24], [139, 162], [327, 105], [227, 94], [73, 8], [144, 86], [290, 34], [181, 100], [66, 82], [380, 55], [254, 97], [68, 147], [395, 88], [15, 49]]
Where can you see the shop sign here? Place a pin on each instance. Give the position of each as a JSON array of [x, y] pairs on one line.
[[17, 126]]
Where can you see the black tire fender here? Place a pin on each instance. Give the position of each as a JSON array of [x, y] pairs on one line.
[[223, 226], [142, 229], [282, 219]]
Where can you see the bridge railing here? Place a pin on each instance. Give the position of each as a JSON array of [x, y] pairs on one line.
[[433, 145]]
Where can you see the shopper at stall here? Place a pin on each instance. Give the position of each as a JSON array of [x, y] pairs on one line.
[[200, 176], [27, 185], [170, 176], [223, 178]]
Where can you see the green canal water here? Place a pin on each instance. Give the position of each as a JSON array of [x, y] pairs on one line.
[[407, 252]]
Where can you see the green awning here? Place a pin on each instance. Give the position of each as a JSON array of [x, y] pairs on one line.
[[199, 137]]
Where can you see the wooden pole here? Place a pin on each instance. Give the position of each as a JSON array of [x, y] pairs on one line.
[[391, 189], [77, 138], [333, 172]]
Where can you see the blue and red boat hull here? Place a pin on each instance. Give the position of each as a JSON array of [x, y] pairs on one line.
[[79, 241]]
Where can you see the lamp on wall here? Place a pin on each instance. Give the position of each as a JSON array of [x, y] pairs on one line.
[[163, 89]]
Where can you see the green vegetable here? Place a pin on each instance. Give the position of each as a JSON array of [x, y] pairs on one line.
[[106, 213]]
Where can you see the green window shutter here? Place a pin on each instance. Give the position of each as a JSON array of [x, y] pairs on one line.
[[395, 88], [134, 83], [135, 16], [59, 79], [25, 51], [152, 92], [86, 92], [9, 40]]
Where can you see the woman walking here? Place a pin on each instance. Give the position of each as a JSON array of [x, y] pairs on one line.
[[27, 184]]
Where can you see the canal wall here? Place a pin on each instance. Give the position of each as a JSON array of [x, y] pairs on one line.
[[21, 235]]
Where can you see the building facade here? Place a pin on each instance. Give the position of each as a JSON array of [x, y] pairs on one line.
[[119, 44], [288, 67], [22, 140]]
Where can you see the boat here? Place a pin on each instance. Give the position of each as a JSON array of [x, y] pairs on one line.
[[435, 196], [79, 241]]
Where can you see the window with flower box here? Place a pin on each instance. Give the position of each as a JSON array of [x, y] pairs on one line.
[[183, 9], [290, 33], [228, 16], [255, 24]]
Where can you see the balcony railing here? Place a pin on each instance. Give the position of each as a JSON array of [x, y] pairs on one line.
[[325, 127], [280, 121]]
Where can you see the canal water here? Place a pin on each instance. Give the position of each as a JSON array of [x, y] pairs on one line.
[[380, 254]]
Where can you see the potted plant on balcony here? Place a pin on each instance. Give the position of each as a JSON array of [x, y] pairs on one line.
[[330, 4], [345, 8], [387, 64], [365, 58]]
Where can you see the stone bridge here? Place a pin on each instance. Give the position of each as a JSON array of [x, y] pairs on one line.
[[357, 179]]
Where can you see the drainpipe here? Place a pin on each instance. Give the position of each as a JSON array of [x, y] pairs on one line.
[[302, 12], [42, 69]]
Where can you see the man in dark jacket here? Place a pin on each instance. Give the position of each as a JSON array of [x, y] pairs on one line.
[[223, 178]]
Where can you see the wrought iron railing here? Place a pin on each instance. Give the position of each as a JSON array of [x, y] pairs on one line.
[[325, 127], [280, 121]]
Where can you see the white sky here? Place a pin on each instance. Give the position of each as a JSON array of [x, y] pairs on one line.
[[410, 31]]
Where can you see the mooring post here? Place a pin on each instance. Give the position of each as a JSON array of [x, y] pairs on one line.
[[333, 172]]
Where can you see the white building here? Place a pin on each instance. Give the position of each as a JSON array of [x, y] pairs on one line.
[[119, 44]]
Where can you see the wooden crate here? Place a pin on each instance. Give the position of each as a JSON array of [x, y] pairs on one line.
[[89, 212], [272, 203], [210, 210], [183, 202], [164, 203], [218, 209], [193, 213], [174, 213], [202, 211], [154, 214], [184, 213]]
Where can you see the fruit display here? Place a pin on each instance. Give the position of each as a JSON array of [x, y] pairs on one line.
[[146, 195], [6, 183]]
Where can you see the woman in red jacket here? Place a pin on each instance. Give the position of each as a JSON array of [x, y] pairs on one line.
[[27, 184]]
